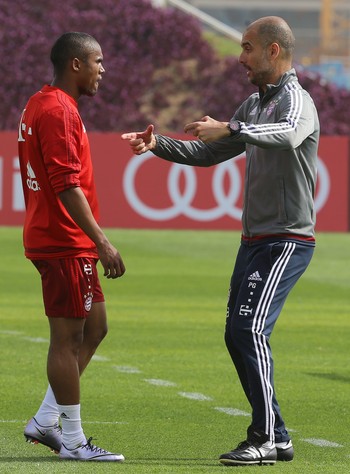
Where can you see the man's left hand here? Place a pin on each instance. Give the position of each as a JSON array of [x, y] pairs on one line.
[[208, 129]]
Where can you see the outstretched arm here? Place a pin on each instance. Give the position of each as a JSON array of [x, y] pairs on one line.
[[189, 152], [141, 142]]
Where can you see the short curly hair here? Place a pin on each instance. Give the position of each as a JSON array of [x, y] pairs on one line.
[[69, 46]]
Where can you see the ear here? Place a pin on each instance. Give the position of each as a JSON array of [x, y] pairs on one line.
[[274, 50], [76, 64]]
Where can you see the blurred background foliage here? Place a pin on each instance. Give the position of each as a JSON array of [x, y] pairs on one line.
[[161, 67]]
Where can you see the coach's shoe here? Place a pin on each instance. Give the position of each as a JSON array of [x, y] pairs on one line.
[[89, 452], [50, 436], [255, 450], [285, 451]]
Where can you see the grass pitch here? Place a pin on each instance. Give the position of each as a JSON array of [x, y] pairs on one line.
[[161, 388]]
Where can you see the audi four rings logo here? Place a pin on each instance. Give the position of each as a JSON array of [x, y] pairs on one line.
[[182, 201]]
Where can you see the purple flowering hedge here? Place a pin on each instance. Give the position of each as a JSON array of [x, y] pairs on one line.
[[159, 69]]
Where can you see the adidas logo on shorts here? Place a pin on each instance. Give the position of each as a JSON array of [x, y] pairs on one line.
[[255, 277]]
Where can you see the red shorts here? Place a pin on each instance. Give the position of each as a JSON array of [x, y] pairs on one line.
[[70, 286]]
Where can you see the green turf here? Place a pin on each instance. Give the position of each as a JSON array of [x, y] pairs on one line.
[[166, 318]]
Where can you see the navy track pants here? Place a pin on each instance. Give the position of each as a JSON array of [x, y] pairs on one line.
[[264, 274]]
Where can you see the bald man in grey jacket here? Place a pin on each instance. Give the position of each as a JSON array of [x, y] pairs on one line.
[[278, 129]]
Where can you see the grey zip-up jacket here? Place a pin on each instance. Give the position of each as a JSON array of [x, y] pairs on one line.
[[279, 133]]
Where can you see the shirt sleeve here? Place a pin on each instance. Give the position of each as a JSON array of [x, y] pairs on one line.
[[195, 152], [61, 132]]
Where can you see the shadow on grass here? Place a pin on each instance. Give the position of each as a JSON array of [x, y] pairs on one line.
[[31, 459], [149, 461], [173, 461], [334, 377]]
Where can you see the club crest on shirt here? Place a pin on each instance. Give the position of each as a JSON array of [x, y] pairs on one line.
[[271, 107], [88, 303]]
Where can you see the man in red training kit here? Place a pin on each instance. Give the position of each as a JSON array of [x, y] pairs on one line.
[[63, 240]]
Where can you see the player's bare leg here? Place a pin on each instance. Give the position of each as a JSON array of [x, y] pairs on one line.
[[95, 330], [73, 343], [66, 338]]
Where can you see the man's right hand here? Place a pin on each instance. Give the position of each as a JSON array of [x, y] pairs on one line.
[[141, 142], [111, 260]]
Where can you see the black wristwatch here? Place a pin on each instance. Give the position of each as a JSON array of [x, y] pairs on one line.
[[234, 127]]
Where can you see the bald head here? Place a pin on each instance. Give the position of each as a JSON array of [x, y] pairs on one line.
[[267, 50], [273, 29]]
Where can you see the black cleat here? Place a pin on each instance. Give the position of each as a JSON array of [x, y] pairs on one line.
[[248, 453], [285, 451], [257, 449]]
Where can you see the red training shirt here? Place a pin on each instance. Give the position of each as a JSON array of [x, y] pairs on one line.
[[54, 155]]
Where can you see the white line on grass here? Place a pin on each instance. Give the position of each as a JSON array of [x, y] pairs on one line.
[[23, 336], [195, 396], [323, 443], [36, 339], [232, 411], [126, 369], [191, 395], [105, 422], [13, 421], [99, 358], [84, 422], [11, 333], [160, 382]]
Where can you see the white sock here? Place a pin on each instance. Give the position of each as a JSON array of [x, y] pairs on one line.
[[47, 415], [72, 432]]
